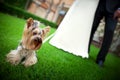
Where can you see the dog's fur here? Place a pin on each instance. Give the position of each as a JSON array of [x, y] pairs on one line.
[[31, 40]]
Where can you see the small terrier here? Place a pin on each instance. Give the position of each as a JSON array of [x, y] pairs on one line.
[[32, 40]]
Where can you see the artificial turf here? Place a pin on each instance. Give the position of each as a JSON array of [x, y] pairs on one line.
[[53, 63]]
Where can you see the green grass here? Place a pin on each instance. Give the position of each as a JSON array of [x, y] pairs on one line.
[[53, 63]]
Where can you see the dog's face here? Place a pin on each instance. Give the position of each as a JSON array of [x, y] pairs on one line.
[[33, 35]]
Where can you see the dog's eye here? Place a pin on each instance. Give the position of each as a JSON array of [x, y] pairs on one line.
[[34, 33]]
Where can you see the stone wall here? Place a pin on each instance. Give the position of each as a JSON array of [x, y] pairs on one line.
[[115, 47]]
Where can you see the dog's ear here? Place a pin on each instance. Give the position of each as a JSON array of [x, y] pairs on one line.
[[45, 31], [29, 22]]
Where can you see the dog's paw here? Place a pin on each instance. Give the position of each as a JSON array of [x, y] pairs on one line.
[[13, 57], [30, 61]]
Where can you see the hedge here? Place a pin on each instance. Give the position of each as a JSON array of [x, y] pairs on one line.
[[19, 3], [6, 8]]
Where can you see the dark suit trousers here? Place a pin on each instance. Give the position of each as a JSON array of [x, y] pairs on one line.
[[110, 25]]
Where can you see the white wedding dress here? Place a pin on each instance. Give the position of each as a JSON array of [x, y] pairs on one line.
[[74, 31]]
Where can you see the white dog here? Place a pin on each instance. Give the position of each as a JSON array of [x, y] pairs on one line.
[[31, 40]]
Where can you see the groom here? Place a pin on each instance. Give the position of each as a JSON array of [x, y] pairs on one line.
[[110, 9]]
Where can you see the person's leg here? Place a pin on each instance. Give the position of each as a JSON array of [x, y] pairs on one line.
[[108, 35], [98, 16]]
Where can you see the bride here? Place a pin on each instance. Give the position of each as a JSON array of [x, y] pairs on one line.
[[73, 33]]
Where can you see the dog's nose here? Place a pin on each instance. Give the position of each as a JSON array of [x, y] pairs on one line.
[[38, 40]]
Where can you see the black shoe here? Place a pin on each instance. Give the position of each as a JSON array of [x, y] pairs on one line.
[[100, 63]]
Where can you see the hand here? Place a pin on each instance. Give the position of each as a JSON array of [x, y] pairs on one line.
[[117, 14]]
